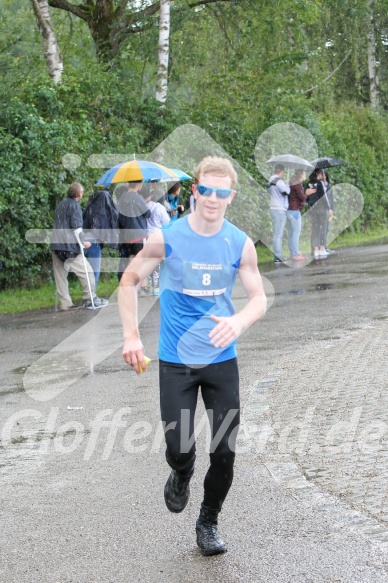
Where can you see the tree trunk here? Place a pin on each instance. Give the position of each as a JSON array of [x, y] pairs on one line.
[[163, 52], [51, 49], [373, 76]]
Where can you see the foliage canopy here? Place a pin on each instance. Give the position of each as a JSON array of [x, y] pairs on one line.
[[235, 69]]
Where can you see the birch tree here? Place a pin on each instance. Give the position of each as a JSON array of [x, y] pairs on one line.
[[163, 51], [51, 48], [372, 61]]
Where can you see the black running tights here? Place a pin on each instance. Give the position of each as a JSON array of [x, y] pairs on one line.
[[219, 384]]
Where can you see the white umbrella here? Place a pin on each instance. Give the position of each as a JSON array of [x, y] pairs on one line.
[[291, 161]]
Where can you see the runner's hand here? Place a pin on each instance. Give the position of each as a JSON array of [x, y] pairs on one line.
[[133, 354], [228, 328]]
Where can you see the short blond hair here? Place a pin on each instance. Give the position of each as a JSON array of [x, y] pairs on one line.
[[218, 166]]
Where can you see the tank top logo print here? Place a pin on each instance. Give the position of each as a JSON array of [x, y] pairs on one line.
[[205, 279]]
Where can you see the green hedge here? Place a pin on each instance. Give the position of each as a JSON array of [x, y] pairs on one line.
[[100, 113], [37, 128]]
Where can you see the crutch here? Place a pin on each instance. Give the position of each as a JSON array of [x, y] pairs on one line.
[[77, 234]]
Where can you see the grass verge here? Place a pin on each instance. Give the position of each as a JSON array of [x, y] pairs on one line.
[[375, 237], [23, 300]]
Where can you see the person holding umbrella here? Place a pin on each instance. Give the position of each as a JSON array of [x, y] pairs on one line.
[[329, 194], [132, 222], [324, 163], [279, 192], [320, 213]]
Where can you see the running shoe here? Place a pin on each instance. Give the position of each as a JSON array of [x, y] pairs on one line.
[[98, 303], [177, 492], [208, 539]]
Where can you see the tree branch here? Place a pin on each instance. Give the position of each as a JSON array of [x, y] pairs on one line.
[[120, 8], [202, 2], [153, 9], [331, 74], [134, 29], [136, 16], [223, 27], [69, 7]]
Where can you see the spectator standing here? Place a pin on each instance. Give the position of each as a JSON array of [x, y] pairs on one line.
[[158, 218], [320, 213], [100, 223], [173, 200], [296, 202], [279, 192], [66, 252], [132, 221], [329, 194]]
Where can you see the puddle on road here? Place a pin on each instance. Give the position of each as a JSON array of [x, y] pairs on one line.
[[12, 390], [19, 370], [323, 286], [291, 292], [317, 288], [26, 450]]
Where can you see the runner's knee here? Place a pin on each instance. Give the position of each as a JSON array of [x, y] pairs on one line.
[[180, 461]]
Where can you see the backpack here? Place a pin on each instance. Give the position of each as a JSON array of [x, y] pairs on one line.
[[274, 183]]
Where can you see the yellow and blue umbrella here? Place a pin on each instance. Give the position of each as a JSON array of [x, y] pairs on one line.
[[181, 175], [137, 171]]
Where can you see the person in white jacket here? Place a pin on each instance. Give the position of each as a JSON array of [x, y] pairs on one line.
[[158, 218], [279, 192]]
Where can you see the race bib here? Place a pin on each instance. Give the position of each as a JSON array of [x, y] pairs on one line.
[[205, 279]]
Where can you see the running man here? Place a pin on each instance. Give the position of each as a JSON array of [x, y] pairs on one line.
[[201, 254]]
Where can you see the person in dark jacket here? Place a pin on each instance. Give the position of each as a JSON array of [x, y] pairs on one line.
[[100, 225], [133, 215], [66, 252], [329, 193], [320, 213]]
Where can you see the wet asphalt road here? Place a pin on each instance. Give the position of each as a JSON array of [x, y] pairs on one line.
[[83, 467]]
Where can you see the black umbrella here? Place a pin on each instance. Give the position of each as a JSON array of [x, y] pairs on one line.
[[325, 162]]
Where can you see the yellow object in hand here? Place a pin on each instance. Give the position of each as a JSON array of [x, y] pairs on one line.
[[147, 361]]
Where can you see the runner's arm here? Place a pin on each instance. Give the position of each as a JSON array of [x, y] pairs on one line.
[[229, 328], [139, 268]]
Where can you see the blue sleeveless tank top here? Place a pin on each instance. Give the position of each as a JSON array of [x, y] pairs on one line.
[[196, 281]]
